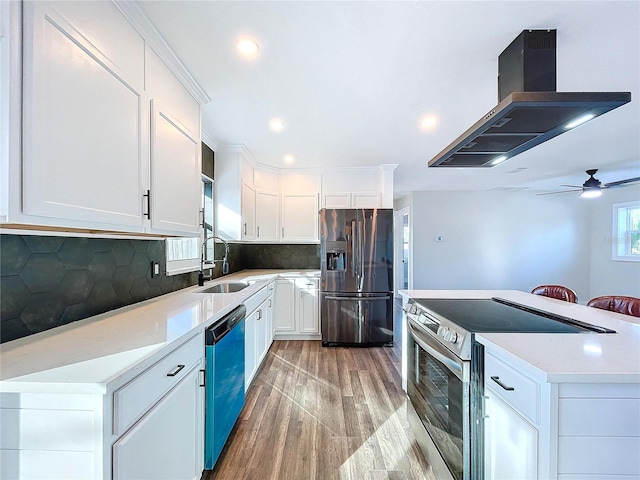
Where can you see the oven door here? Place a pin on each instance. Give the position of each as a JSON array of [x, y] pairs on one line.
[[438, 386]]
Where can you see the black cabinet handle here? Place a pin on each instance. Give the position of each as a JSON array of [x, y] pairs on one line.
[[175, 371], [204, 378], [148, 197], [497, 380]]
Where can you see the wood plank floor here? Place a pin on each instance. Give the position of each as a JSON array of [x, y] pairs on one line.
[[323, 413]]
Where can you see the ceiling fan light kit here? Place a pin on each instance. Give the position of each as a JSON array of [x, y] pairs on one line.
[[530, 111], [593, 187]]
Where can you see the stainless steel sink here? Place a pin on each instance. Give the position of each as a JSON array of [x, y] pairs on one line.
[[228, 287]]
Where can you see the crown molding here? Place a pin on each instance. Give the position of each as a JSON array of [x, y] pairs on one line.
[[132, 12], [390, 167], [241, 149], [210, 140]]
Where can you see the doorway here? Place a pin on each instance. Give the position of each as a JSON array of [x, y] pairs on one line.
[[403, 248]]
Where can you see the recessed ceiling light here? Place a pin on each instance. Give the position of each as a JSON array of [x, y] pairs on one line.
[[428, 122], [247, 47], [289, 159], [276, 124]]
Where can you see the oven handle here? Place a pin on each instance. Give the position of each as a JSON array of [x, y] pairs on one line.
[[455, 365], [359, 299]]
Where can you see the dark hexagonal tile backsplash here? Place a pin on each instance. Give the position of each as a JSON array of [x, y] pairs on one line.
[[49, 281]]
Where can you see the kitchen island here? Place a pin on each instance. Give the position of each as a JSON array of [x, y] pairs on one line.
[[72, 397], [557, 406]]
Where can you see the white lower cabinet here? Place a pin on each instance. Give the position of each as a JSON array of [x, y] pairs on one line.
[[536, 429], [258, 332], [297, 308], [309, 306], [250, 359], [167, 441], [511, 443], [149, 423], [284, 312]]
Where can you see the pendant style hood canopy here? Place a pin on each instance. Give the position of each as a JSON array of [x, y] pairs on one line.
[[530, 111]]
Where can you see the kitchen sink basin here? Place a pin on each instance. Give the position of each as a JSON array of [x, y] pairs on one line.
[[228, 287]]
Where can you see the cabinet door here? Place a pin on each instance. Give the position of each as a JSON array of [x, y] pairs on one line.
[[270, 313], [336, 200], [267, 207], [308, 306], [168, 441], [284, 312], [366, 200], [175, 175], [300, 217], [261, 333], [250, 358], [248, 208], [511, 443], [82, 118]]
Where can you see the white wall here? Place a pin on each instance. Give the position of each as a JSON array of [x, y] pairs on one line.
[[502, 240], [609, 277]]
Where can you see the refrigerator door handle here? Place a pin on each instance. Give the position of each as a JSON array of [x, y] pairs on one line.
[[353, 248], [361, 233]]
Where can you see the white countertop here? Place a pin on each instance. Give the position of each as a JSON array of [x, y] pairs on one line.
[[85, 356], [561, 358]]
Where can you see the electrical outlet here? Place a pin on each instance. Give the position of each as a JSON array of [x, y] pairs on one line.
[[155, 269]]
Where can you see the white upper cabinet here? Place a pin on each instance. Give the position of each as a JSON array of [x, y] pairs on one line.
[[176, 168], [110, 139], [248, 212], [267, 183], [267, 215], [299, 217], [174, 197], [300, 191], [235, 194], [83, 115], [365, 187], [265, 204]]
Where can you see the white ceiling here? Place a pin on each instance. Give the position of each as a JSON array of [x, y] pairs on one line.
[[351, 80]]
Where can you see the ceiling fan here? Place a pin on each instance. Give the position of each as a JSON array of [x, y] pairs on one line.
[[593, 187]]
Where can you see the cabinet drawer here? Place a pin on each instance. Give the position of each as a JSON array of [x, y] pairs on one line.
[[515, 388], [254, 301], [136, 397]]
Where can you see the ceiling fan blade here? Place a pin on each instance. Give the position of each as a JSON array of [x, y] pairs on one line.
[[572, 186], [563, 191], [621, 182]]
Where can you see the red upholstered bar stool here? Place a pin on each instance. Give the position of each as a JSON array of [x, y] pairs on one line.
[[556, 291], [617, 303]]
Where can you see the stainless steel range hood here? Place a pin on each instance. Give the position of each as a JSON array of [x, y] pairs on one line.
[[524, 119]]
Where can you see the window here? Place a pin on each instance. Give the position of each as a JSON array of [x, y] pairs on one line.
[[207, 214], [626, 231]]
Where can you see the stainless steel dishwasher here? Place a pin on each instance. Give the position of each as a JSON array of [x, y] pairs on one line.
[[224, 374]]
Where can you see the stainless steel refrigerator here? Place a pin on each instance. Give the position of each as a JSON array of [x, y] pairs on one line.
[[356, 286]]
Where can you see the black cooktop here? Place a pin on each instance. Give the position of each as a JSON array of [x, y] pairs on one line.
[[499, 315]]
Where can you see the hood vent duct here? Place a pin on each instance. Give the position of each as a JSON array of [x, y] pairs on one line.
[[530, 111]]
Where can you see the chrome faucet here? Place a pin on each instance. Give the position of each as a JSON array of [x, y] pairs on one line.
[[225, 264]]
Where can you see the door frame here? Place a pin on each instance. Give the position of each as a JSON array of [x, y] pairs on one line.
[[399, 249]]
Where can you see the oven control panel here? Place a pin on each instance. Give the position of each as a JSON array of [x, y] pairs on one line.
[[447, 334]]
